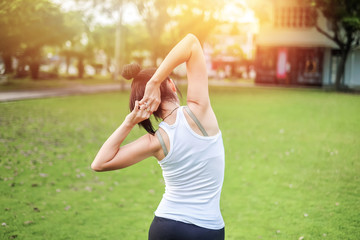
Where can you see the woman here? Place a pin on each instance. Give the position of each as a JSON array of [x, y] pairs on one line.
[[188, 145]]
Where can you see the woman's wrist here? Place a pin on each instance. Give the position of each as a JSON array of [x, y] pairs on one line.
[[154, 81], [128, 122]]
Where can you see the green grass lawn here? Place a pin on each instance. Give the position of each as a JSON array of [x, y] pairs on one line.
[[292, 167]]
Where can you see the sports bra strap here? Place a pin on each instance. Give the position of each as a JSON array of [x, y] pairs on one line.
[[162, 143], [193, 117]]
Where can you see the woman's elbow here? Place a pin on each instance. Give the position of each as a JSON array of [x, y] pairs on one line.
[[96, 167], [108, 166], [192, 38]]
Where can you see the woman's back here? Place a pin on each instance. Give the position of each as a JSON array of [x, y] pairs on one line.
[[193, 171]]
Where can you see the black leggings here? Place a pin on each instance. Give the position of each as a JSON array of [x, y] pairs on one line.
[[167, 229]]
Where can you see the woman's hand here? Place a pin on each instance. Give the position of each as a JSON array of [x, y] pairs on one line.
[[138, 114], [152, 97]]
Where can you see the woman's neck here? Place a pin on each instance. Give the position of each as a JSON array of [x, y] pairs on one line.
[[168, 110]]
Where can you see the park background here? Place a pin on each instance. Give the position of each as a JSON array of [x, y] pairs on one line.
[[287, 105]]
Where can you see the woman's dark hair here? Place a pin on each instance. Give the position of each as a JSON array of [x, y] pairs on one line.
[[139, 79]]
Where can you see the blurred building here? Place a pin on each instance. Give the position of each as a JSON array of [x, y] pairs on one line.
[[291, 51]]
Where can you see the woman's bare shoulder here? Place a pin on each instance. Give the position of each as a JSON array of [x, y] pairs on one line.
[[206, 117]]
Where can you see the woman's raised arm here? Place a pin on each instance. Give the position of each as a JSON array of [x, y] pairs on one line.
[[187, 50]]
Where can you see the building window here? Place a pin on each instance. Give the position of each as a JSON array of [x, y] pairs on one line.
[[294, 17]]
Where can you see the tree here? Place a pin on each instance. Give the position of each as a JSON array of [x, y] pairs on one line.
[[26, 27], [110, 8], [155, 16], [198, 17], [169, 21], [344, 24], [103, 39], [137, 41], [80, 46]]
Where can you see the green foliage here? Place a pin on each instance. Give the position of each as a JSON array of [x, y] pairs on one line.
[[155, 16], [291, 167], [138, 43], [352, 23], [103, 37], [29, 25], [80, 45]]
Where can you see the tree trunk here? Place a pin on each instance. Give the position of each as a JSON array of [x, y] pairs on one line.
[[67, 63], [108, 64], [81, 69], [8, 63], [339, 84], [34, 69], [20, 70]]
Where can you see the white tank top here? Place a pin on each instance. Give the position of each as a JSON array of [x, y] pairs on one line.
[[193, 171]]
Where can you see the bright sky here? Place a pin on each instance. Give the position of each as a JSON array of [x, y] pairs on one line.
[[234, 11]]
